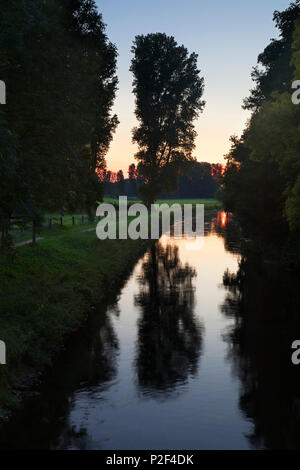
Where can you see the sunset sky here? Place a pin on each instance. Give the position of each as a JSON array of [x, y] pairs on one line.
[[227, 36]]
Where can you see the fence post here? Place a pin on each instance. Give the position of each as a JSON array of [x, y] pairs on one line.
[[33, 231], [73, 220]]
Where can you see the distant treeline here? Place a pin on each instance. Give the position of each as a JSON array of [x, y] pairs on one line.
[[200, 180], [261, 182]]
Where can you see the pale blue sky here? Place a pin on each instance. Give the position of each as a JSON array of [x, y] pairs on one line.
[[227, 36]]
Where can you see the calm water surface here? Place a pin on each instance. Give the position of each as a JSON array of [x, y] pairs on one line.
[[167, 364]]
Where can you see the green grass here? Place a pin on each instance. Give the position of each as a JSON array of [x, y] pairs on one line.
[[46, 291], [209, 203], [56, 230]]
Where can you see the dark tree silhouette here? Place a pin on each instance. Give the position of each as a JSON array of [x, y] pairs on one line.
[[121, 182], [201, 180], [168, 90], [60, 71], [273, 71], [261, 181], [132, 176]]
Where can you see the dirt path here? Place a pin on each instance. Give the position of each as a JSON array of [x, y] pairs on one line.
[[27, 242], [87, 230]]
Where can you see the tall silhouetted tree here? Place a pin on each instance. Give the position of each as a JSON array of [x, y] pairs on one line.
[[132, 175], [121, 182], [168, 90], [59, 68]]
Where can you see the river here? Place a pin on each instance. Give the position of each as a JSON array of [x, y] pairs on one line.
[[193, 352]]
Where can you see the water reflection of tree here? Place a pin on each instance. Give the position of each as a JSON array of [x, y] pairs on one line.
[[263, 300], [88, 365], [97, 361], [169, 335]]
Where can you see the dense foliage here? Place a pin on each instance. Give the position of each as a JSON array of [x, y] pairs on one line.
[[261, 183], [59, 70]]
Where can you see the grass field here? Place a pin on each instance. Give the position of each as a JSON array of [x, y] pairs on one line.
[[57, 229], [209, 203], [68, 227], [46, 291]]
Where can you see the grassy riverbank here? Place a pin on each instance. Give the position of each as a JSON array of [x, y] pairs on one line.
[[46, 292]]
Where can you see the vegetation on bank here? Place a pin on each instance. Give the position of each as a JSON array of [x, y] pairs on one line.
[[59, 68], [261, 182], [46, 292], [59, 225]]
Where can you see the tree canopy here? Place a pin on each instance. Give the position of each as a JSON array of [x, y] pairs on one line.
[[59, 69], [168, 90], [261, 183], [273, 71]]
